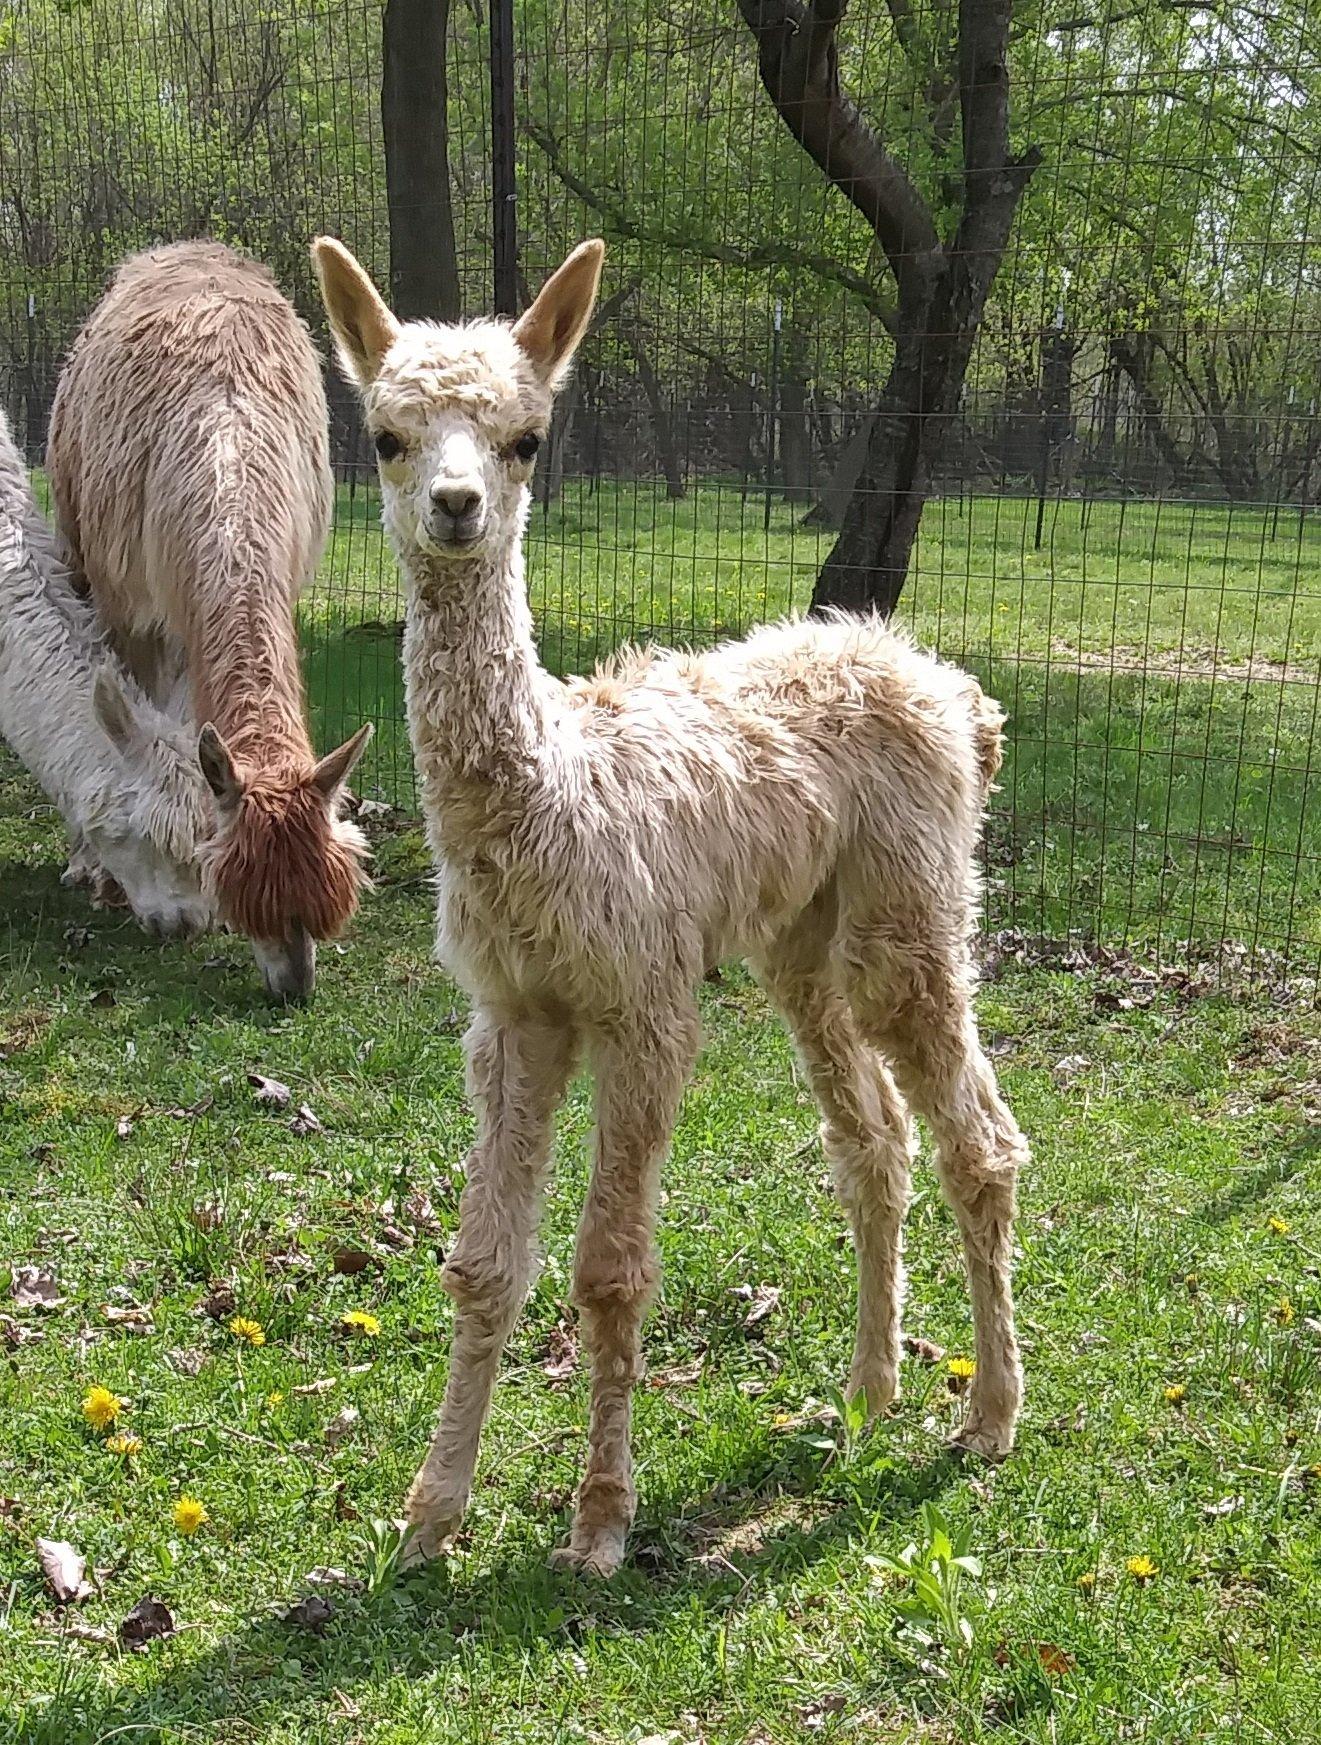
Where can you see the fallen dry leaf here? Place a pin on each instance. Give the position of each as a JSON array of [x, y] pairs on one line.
[[679, 1375], [311, 1613], [1051, 1659], [34, 1287], [10, 1508], [124, 1127], [185, 1360], [341, 1425], [206, 1216], [1068, 1067], [65, 1570], [149, 1621], [304, 1122], [926, 1350], [344, 1509], [13, 1333], [1226, 1506], [270, 1091], [561, 1358], [815, 1715], [103, 997], [132, 1317], [193, 1110], [83, 1632], [349, 1260], [219, 1303], [328, 1575], [765, 1299], [315, 1387], [374, 808]]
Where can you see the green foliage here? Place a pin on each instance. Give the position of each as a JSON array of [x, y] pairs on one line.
[[933, 1571]]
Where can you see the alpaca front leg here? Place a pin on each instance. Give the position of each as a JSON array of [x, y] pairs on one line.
[[640, 1080], [517, 1074]]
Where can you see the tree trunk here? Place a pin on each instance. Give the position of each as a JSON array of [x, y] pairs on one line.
[[1135, 360], [424, 276], [833, 501], [942, 283], [795, 438], [662, 424]]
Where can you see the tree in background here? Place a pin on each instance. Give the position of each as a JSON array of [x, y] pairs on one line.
[[943, 261]]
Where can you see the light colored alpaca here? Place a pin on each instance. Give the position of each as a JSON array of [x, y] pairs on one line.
[[809, 798], [190, 469], [125, 777]]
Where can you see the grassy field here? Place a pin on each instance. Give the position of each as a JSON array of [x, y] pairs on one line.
[[1170, 1308], [1159, 663]]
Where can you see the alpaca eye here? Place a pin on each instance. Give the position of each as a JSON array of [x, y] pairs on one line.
[[527, 446], [388, 445]]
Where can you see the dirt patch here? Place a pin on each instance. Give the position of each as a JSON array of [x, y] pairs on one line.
[[1182, 663]]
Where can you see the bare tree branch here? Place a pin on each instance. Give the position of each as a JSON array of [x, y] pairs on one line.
[[762, 258]]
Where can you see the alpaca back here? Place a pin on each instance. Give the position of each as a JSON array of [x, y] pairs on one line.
[[189, 461], [50, 647]]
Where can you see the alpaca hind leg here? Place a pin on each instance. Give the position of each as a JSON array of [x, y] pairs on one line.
[[914, 1001], [517, 1073], [866, 1135], [640, 1069]]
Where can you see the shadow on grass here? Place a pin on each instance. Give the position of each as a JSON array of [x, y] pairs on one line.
[[513, 1604]]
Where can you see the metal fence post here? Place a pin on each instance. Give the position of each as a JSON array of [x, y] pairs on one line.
[[504, 212]]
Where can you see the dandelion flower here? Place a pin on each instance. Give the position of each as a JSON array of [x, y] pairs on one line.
[[189, 1515], [1283, 1312], [250, 1332], [1176, 1394], [1142, 1569], [101, 1407], [1087, 1581], [123, 1444], [274, 1399], [961, 1372], [359, 1322], [1278, 1226]]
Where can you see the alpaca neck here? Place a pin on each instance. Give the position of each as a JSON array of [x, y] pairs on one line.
[[479, 700]]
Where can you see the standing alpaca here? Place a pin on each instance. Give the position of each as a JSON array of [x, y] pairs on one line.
[[189, 463], [809, 798], [125, 777]]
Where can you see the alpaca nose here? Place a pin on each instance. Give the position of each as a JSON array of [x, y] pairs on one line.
[[458, 500]]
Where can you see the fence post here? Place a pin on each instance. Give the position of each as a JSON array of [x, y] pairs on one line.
[[424, 277], [504, 211]]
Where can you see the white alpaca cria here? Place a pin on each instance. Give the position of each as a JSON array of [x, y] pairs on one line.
[[809, 799], [126, 777]]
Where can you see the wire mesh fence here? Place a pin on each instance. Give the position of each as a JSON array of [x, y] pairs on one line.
[[1119, 533]]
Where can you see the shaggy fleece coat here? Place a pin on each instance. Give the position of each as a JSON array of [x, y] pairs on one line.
[[124, 776], [809, 798], [190, 467]]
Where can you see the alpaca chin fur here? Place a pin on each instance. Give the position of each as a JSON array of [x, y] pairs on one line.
[[281, 857]]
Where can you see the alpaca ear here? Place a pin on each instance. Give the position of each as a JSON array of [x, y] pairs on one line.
[[552, 328], [337, 766], [363, 328], [218, 767], [112, 708]]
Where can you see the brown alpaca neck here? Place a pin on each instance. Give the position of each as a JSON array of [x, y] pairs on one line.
[[247, 681]]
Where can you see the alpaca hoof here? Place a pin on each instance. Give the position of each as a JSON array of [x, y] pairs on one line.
[[880, 1387], [432, 1521], [976, 1436], [601, 1556]]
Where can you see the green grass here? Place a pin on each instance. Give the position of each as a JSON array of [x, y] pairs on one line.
[[757, 1606], [1159, 663]]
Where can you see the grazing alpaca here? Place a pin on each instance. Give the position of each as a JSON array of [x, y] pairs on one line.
[[189, 463], [125, 777], [809, 798]]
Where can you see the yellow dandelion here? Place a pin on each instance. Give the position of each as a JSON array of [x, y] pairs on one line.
[[1142, 1569], [250, 1332], [1087, 1581], [122, 1443], [101, 1407], [1278, 1226], [1176, 1394], [961, 1372], [274, 1398], [359, 1322], [189, 1515], [1283, 1312]]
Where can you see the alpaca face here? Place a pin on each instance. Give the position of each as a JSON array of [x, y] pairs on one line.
[[151, 844], [458, 412], [454, 475]]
